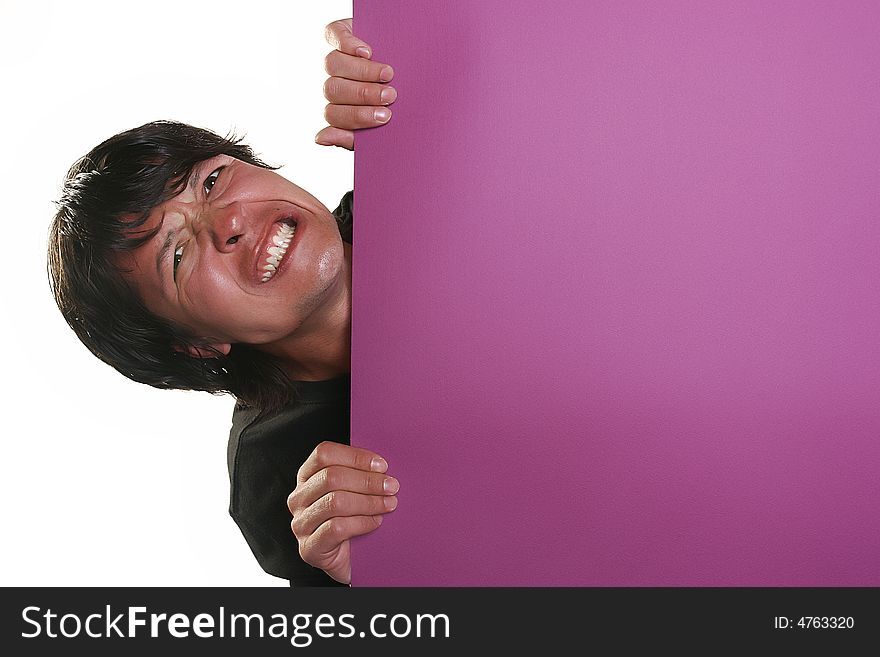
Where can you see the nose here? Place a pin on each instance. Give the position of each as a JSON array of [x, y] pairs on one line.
[[222, 226]]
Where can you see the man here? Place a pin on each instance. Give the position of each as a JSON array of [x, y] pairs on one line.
[[185, 262]]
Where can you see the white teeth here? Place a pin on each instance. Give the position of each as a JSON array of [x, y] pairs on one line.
[[280, 241]]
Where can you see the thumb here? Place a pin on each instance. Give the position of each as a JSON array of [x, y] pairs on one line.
[[338, 34]]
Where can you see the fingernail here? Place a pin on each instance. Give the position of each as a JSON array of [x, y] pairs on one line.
[[322, 142], [390, 503], [378, 464], [391, 485], [382, 115], [363, 52], [386, 74], [389, 95]]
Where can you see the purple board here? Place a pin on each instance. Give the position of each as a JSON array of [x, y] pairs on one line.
[[617, 293]]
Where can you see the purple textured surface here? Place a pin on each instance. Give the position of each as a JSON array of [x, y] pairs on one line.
[[616, 305]]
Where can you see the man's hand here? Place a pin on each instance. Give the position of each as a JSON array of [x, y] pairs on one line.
[[341, 492], [356, 96]]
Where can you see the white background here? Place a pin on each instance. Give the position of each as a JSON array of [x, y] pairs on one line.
[[105, 481]]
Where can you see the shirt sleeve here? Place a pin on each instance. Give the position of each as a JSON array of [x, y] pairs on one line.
[[263, 457]]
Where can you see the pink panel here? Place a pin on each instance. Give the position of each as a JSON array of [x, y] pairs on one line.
[[616, 305]]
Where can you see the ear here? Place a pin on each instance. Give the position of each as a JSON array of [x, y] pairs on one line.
[[206, 351]]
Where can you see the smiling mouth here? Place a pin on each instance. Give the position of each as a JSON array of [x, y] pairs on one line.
[[278, 246]]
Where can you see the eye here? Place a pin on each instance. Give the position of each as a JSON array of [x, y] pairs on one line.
[[178, 256], [208, 185]]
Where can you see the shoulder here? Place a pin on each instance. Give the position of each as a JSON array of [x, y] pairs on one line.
[[345, 216], [288, 435]]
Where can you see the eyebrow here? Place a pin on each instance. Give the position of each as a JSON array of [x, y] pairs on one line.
[[194, 176], [169, 237], [163, 250]]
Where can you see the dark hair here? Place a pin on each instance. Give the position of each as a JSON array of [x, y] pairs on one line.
[[107, 195]]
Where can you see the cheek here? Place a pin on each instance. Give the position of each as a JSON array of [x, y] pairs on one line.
[[213, 305], [329, 265], [250, 319], [325, 259]]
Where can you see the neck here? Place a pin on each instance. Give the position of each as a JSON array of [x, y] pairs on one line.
[[322, 348]]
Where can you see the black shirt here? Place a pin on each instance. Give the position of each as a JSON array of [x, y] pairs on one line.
[[265, 452]]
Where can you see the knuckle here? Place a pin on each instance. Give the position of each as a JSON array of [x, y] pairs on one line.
[[296, 527], [369, 71], [333, 502], [362, 460], [292, 500], [332, 478], [355, 114], [322, 452], [322, 479], [364, 95], [379, 504], [335, 529]]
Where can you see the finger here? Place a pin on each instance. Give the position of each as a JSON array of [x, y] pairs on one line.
[[332, 453], [326, 538], [346, 66], [341, 91], [355, 117], [340, 478], [338, 34], [337, 504], [331, 136]]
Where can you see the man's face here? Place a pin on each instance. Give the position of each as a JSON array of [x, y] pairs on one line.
[[224, 265]]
